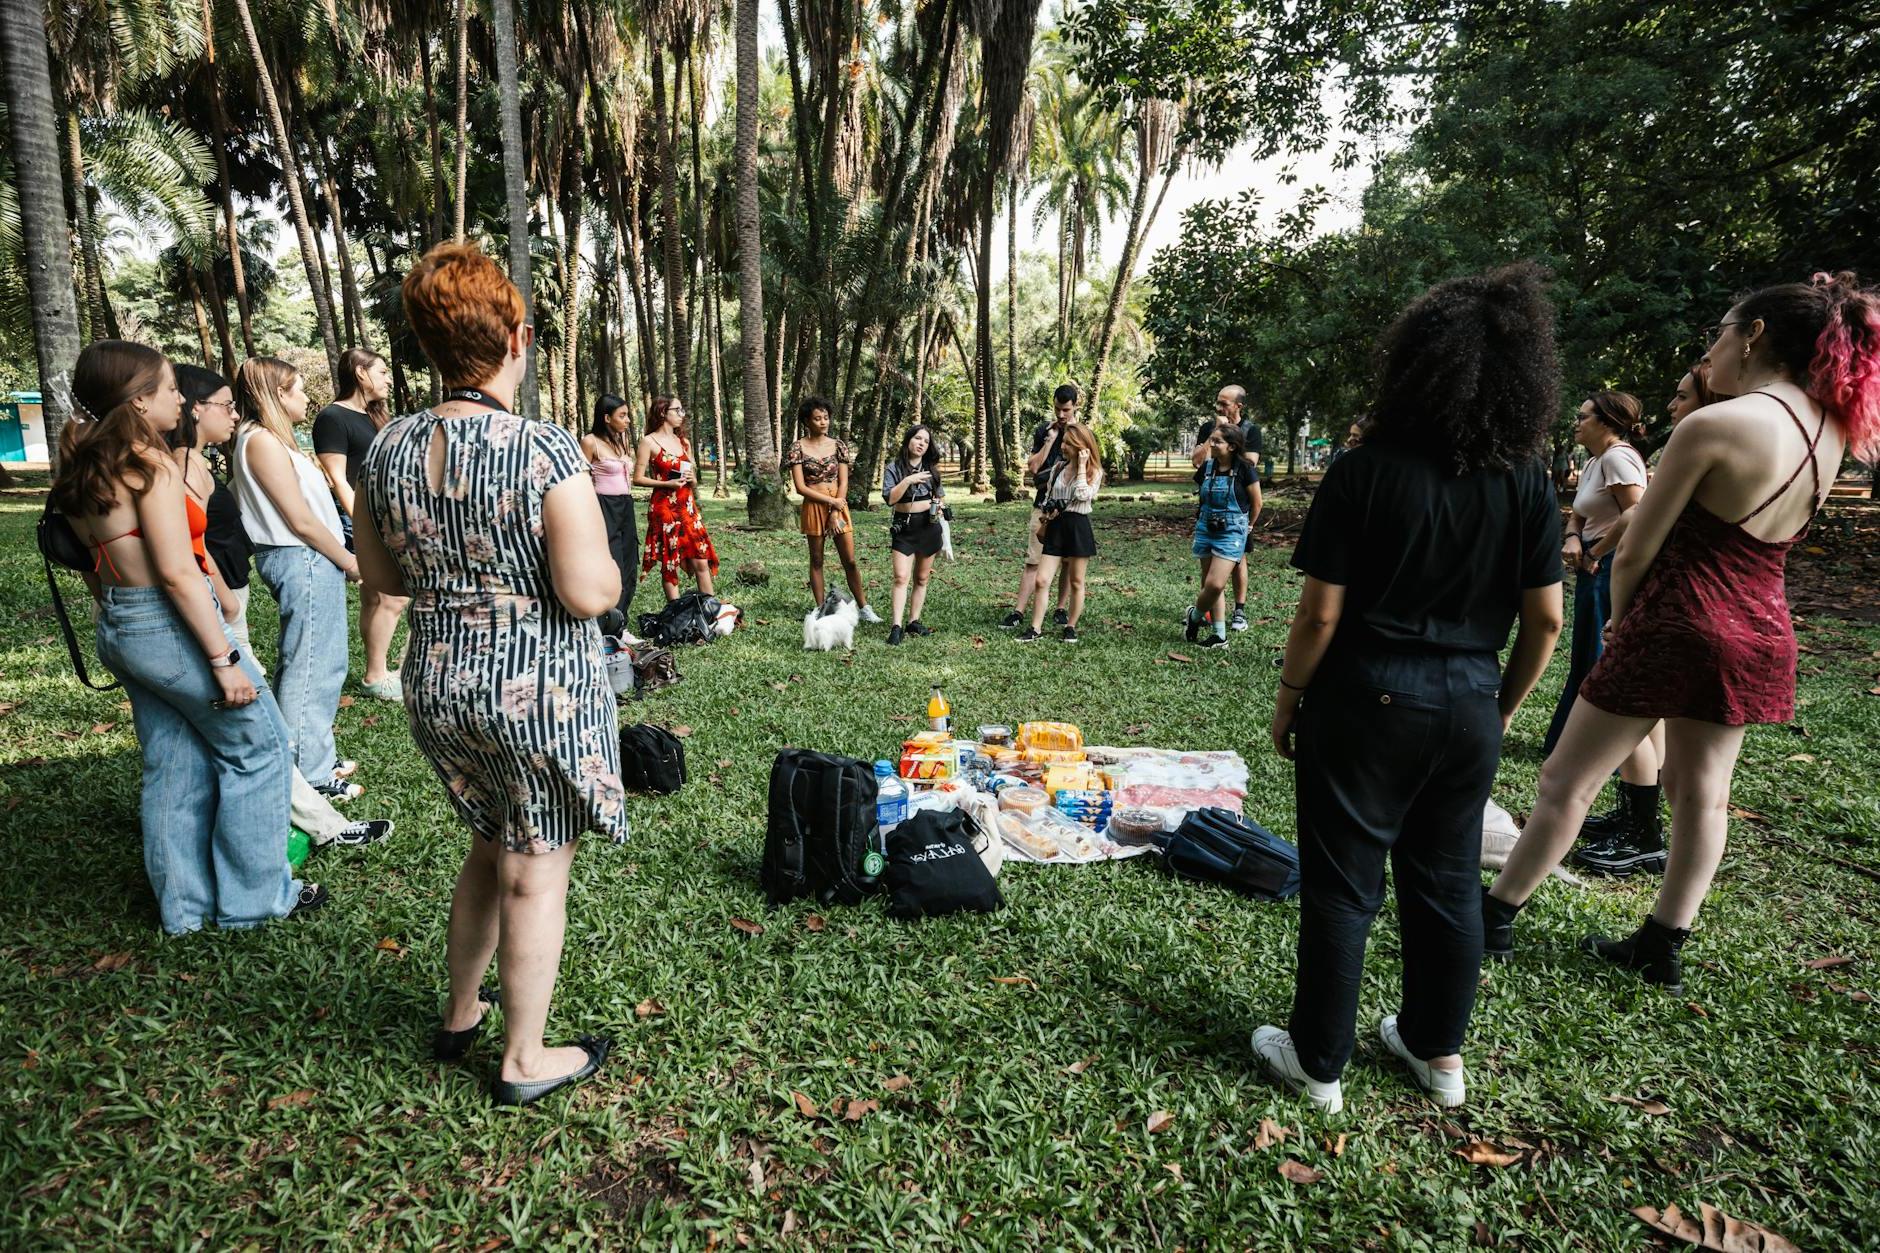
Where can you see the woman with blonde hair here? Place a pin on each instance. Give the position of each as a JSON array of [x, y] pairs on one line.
[[287, 508], [214, 807], [490, 524], [1067, 537]]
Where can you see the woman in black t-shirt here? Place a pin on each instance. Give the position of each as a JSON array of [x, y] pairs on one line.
[[1422, 547], [342, 434]]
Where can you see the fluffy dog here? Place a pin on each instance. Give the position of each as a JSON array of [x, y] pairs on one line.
[[830, 627]]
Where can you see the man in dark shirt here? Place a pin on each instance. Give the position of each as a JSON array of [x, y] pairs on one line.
[[1040, 467], [1230, 403]]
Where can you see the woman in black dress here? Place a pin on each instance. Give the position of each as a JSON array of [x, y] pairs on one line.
[[1067, 538]]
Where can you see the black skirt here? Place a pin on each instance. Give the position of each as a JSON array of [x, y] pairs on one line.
[[917, 535], [1069, 535]]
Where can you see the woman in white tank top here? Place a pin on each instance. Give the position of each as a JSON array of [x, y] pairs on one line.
[[288, 511]]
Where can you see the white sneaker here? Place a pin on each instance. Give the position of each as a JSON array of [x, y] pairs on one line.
[[1446, 1087], [869, 615], [388, 688], [1275, 1048]]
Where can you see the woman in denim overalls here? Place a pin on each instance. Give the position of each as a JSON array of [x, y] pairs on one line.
[[1230, 501]]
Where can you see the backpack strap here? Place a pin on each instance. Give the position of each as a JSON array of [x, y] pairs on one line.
[[71, 636]]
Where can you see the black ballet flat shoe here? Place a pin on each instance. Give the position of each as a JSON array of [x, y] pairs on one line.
[[506, 1093], [454, 1046]]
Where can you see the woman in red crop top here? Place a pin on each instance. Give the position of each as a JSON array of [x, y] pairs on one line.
[[215, 750]]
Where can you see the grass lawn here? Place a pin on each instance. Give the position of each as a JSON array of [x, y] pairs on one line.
[[274, 1087]]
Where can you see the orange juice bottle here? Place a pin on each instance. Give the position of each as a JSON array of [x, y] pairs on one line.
[[939, 713]]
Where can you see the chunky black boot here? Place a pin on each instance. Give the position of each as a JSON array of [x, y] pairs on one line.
[[1640, 846], [1652, 950], [1606, 827], [1497, 927]]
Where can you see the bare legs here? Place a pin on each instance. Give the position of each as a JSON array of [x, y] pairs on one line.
[[1642, 768], [1215, 572], [1070, 587], [378, 620], [915, 570], [513, 905], [851, 571], [1700, 762], [699, 568], [1029, 582]]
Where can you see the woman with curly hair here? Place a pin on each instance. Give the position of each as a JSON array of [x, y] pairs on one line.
[[1701, 634], [1422, 547]]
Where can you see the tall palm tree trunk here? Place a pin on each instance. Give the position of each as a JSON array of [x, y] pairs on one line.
[[218, 112], [48, 249], [715, 325], [677, 327], [99, 314], [463, 116], [516, 192], [765, 504], [297, 205], [357, 335], [218, 310], [1156, 124], [202, 314]]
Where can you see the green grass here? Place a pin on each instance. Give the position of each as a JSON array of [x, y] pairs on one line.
[[145, 1099]]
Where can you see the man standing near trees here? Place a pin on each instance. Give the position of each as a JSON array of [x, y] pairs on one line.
[[1040, 466], [1229, 404]]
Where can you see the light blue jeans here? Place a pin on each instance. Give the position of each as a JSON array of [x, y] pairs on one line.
[[311, 593], [214, 807]]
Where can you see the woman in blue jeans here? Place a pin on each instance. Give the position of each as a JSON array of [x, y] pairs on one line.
[[287, 508], [215, 756]]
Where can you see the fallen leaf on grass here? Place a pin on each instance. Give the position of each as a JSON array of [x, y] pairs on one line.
[[1079, 1066], [290, 1099], [1173, 1168], [1873, 691], [725, 763], [112, 961], [347, 702], [1335, 1147], [682, 731], [1013, 980], [1829, 963], [814, 922], [897, 1083], [1159, 1122], [1648, 1105], [804, 1105], [370, 720], [1484, 1153], [747, 926], [1747, 815], [69, 735], [757, 1175], [979, 641], [1299, 1172], [7, 707], [1697, 1009], [860, 1108], [1800, 757], [1180, 657], [391, 945], [1713, 1230], [1270, 1133], [648, 1008], [31, 1060], [103, 728]]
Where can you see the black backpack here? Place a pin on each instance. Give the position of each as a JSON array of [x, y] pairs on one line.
[[59, 545], [1222, 847], [652, 759], [685, 620], [934, 867], [821, 840]]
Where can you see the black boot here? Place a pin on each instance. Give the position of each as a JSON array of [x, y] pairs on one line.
[[1639, 845], [1497, 927], [1606, 827], [1652, 950]]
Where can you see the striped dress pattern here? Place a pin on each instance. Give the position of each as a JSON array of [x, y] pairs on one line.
[[505, 690]]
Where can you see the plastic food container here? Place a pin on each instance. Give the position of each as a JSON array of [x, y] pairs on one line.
[[996, 733], [1135, 827], [1023, 799]]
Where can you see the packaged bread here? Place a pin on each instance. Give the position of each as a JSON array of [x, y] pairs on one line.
[[1023, 799], [1051, 735], [1054, 756], [1014, 831]]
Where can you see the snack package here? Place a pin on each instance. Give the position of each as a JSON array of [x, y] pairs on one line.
[[1054, 756], [996, 734], [1014, 830], [1050, 735], [929, 767], [1022, 799], [1072, 778], [1137, 827]]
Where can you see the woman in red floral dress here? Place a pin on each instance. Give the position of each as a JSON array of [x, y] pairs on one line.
[[675, 533]]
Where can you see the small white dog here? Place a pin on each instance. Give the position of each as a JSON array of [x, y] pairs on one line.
[[824, 632]]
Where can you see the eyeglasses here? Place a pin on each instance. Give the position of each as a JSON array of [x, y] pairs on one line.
[[1713, 331], [216, 404]]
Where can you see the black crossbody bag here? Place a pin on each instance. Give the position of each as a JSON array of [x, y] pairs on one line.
[[59, 544]]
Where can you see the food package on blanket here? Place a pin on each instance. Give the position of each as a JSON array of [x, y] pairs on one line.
[[1000, 755], [1136, 828], [1053, 756], [929, 763], [1049, 836], [944, 794], [1174, 783], [1023, 799], [1090, 807], [1050, 735], [995, 735], [1075, 777]]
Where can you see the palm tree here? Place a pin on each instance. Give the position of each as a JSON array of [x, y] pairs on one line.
[[1078, 155], [463, 114], [1157, 122], [290, 168], [515, 177], [41, 194], [765, 502]]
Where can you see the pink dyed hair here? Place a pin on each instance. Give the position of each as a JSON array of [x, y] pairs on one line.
[[1827, 332]]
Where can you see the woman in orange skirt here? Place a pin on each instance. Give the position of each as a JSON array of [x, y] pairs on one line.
[[818, 465]]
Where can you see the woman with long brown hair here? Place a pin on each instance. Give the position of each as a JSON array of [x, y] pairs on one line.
[[676, 538], [287, 507], [342, 432], [215, 750], [1067, 538]]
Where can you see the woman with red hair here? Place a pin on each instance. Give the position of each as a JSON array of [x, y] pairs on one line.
[[490, 524], [1701, 634]]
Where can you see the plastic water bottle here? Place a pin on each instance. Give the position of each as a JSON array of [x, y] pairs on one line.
[[891, 798]]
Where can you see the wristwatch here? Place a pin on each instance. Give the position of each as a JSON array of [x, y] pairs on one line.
[[232, 657]]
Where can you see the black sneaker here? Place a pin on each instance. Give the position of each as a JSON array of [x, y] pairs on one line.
[[1191, 627], [917, 627], [1010, 620], [1070, 635], [1238, 622], [1211, 640], [339, 790], [312, 897], [359, 834], [895, 635], [1030, 635], [1059, 617]]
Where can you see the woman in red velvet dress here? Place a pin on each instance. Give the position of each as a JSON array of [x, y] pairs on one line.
[[1701, 634], [675, 533]]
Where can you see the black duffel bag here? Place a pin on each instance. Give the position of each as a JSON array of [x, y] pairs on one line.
[[1217, 846], [652, 759]]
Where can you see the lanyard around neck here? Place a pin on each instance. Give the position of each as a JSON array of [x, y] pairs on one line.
[[475, 396]]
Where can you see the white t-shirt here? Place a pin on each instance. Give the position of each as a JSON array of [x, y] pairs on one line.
[[260, 518], [1618, 466]]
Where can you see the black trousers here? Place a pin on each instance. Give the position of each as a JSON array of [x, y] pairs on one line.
[[623, 541], [1397, 752]]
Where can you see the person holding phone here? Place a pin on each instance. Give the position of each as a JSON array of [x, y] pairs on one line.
[[676, 538], [1041, 466], [1065, 534], [911, 485]]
